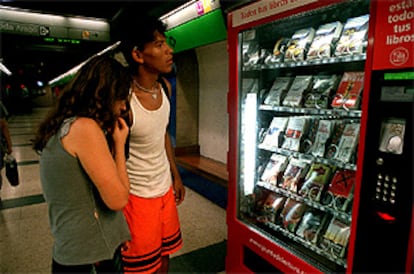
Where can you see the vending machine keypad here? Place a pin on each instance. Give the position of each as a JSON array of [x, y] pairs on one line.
[[386, 189]]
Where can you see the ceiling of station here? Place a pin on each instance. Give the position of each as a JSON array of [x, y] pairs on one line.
[[30, 57]]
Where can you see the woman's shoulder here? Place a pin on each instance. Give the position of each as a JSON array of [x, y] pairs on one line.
[[81, 134], [82, 126], [85, 122]]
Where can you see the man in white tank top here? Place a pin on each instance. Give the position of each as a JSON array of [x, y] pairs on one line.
[[155, 183]]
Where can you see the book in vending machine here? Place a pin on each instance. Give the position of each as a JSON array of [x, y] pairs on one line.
[[321, 137]]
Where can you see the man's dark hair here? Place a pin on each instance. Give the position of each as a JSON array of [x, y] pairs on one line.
[[135, 31]]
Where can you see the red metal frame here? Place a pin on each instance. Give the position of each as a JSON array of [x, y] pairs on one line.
[[240, 234], [364, 108]]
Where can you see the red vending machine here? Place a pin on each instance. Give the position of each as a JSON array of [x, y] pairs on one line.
[[320, 163]]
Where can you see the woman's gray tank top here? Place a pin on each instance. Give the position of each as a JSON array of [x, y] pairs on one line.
[[84, 228]]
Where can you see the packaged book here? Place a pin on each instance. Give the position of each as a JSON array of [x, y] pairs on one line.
[[339, 194], [251, 54], [274, 201], [257, 201], [354, 36], [336, 237], [309, 137], [294, 174], [278, 91], [348, 143], [272, 138], [295, 131], [338, 129], [320, 95], [298, 90], [311, 225], [274, 169], [325, 40], [278, 53], [348, 94], [272, 204], [323, 134], [299, 45], [264, 53], [291, 214], [250, 85], [316, 181]]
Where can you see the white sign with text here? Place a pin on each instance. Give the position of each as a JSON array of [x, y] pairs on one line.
[[265, 8]]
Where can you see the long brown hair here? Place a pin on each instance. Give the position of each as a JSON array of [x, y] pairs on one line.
[[91, 93]]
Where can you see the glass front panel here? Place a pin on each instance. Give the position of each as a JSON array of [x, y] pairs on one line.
[[300, 89]]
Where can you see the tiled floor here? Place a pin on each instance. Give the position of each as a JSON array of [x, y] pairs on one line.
[[25, 238]]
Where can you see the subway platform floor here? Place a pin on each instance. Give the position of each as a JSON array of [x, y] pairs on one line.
[[25, 237]]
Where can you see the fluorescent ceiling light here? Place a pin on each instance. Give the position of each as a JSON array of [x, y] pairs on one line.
[[188, 12], [4, 69], [77, 67], [8, 14]]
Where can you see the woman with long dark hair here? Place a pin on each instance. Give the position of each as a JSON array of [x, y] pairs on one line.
[[82, 168]]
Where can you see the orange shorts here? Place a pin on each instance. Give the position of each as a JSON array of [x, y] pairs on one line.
[[155, 232]]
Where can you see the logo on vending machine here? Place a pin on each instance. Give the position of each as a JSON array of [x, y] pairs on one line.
[[399, 56]]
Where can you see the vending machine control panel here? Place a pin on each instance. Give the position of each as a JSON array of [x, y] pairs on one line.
[[390, 157], [386, 203]]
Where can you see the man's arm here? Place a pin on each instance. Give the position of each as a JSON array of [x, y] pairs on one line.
[[178, 185]]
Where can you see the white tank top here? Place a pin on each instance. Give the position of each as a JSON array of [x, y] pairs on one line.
[[148, 166]]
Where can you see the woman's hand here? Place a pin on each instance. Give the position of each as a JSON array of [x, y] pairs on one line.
[[121, 131], [87, 142]]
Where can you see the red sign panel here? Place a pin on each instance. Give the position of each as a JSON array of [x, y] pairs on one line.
[[394, 35]]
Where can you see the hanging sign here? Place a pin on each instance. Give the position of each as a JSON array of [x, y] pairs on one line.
[[19, 28], [394, 35], [264, 8]]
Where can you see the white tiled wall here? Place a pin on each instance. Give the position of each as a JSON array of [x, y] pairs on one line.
[[213, 82]]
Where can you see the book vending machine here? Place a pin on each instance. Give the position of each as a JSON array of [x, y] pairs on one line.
[[320, 162]]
